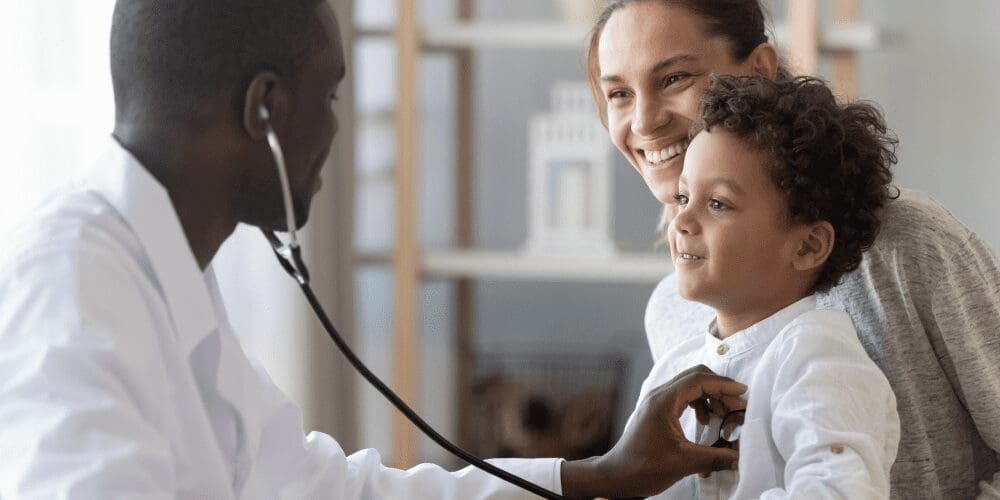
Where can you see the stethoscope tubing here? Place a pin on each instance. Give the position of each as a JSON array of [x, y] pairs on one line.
[[290, 257]]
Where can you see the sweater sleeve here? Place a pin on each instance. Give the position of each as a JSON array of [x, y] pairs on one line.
[[965, 305]]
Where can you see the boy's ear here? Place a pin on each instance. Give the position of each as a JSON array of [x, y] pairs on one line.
[[815, 246]]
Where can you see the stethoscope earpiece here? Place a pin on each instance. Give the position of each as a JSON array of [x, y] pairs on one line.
[[289, 252]]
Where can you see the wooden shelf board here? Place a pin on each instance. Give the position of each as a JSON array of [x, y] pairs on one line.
[[480, 35], [513, 265], [524, 35]]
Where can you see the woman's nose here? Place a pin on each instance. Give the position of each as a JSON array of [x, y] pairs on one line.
[[649, 116]]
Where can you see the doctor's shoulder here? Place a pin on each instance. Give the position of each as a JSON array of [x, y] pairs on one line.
[[73, 250]]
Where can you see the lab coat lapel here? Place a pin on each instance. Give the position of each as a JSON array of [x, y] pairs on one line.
[[145, 206], [234, 369]]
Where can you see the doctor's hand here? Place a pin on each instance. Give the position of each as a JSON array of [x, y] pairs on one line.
[[653, 454]]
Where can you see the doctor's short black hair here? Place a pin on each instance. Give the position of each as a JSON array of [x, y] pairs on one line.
[[832, 162], [168, 57]]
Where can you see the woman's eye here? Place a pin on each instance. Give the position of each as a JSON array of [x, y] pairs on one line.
[[681, 199], [717, 205], [674, 78], [617, 94]]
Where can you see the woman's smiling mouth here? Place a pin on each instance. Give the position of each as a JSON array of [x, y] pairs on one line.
[[662, 156]]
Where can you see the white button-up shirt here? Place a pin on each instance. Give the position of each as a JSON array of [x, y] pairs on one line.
[[120, 376], [821, 419]]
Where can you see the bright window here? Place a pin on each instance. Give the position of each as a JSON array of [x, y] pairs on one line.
[[57, 88]]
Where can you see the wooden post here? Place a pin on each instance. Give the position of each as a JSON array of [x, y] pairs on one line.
[[845, 75], [465, 217], [803, 39], [406, 317]]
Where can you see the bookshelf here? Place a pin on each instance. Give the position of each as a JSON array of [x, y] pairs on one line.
[[801, 37]]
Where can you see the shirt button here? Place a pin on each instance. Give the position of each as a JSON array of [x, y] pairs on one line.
[[723, 348], [837, 448]]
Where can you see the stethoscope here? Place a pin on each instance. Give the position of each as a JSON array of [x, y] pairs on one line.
[[290, 256]]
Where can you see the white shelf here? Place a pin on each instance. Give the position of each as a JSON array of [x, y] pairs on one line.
[[854, 37], [623, 268], [556, 35], [479, 35]]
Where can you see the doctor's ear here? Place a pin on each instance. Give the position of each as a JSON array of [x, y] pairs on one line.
[[263, 104]]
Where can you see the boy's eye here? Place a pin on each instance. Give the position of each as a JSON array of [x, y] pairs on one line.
[[681, 199], [717, 205]]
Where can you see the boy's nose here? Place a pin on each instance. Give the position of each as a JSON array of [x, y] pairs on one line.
[[686, 220]]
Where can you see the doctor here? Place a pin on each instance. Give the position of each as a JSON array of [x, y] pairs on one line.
[[120, 376]]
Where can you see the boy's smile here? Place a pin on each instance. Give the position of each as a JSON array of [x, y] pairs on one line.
[[733, 241]]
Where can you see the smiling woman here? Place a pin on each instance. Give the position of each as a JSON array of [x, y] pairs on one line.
[[648, 87]]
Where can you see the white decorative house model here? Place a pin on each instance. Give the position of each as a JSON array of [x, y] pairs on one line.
[[569, 178]]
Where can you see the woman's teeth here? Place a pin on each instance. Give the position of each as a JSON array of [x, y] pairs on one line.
[[665, 154]]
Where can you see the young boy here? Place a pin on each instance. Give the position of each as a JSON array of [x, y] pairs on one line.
[[779, 197]]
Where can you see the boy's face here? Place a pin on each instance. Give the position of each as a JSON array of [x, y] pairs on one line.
[[733, 241]]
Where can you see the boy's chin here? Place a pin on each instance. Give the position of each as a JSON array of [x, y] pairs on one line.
[[699, 292], [689, 289]]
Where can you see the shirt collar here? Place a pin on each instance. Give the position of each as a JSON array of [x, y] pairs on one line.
[[145, 206], [760, 333]]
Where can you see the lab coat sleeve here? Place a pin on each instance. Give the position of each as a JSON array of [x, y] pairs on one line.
[[70, 418], [834, 417], [315, 466]]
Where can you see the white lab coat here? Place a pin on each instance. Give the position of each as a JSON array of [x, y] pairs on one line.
[[120, 376], [821, 419]]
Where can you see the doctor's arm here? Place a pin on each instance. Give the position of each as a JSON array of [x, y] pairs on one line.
[[72, 419], [653, 454], [650, 457], [834, 418]]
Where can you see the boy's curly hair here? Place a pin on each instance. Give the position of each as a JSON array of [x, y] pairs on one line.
[[832, 162]]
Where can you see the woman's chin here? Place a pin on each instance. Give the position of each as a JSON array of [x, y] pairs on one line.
[[663, 184]]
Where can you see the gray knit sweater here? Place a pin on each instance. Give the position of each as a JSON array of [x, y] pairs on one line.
[[926, 304]]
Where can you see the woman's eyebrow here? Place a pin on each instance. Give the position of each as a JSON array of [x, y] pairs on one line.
[[672, 61], [660, 66]]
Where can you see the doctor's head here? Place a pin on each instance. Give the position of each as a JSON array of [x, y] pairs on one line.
[[197, 73]]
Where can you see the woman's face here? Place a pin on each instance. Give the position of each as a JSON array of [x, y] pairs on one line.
[[655, 60]]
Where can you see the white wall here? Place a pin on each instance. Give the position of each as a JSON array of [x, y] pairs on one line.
[[939, 86]]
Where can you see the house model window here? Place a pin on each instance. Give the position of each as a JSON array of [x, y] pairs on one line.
[[569, 178]]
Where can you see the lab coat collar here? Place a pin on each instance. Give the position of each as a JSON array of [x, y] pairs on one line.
[[145, 206], [760, 333]]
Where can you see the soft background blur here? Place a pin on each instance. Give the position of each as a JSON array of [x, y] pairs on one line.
[[935, 79]]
